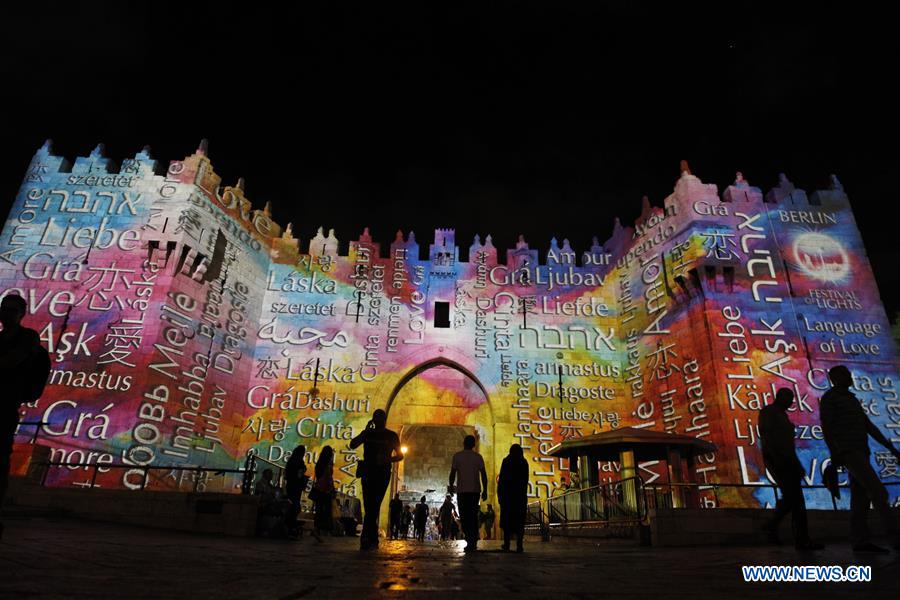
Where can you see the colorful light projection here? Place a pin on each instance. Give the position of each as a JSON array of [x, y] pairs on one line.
[[188, 328]]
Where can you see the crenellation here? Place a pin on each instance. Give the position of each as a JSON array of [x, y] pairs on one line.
[[198, 168], [225, 333], [44, 164], [95, 163], [742, 191], [786, 193], [689, 189], [521, 256], [833, 196]]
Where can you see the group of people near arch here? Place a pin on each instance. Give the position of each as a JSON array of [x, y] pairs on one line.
[[381, 449]]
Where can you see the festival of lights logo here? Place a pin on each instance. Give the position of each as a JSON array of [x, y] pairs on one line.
[[821, 256]]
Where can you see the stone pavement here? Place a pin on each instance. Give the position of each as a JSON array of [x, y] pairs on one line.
[[65, 558]]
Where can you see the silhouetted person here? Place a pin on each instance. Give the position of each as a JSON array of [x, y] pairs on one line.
[[337, 528], [323, 493], [512, 491], [18, 346], [395, 516], [270, 506], [846, 428], [574, 481], [265, 487], [446, 518], [381, 448], [405, 522], [487, 519], [295, 480], [348, 522], [420, 519], [776, 435], [468, 468], [356, 509]]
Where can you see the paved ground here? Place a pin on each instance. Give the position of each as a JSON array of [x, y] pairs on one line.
[[77, 559]]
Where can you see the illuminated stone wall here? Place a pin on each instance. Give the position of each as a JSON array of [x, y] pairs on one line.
[[186, 326]]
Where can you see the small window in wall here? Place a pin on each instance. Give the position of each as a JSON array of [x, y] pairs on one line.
[[185, 250], [711, 278], [152, 248], [695, 280], [442, 314], [728, 276]]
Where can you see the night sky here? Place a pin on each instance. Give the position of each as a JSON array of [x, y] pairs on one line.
[[546, 119]]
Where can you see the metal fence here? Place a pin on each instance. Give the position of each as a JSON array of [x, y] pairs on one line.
[[192, 478], [618, 502], [37, 429], [629, 501], [255, 465], [195, 478], [735, 495]]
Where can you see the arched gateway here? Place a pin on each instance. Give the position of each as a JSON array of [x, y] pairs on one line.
[[433, 407]]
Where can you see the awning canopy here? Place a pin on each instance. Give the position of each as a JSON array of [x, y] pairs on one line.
[[645, 443]]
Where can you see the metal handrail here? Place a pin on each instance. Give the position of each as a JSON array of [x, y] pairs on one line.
[[724, 484], [605, 503], [716, 487], [612, 503], [616, 501], [250, 466], [279, 469], [37, 428], [145, 468], [541, 521]]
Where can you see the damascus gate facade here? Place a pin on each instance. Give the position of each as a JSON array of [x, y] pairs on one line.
[[188, 328]]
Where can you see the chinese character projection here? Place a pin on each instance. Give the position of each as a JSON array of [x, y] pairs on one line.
[[188, 328]]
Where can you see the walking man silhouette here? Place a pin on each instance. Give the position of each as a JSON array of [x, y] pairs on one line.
[[776, 434], [18, 347], [846, 429], [467, 466], [381, 448]]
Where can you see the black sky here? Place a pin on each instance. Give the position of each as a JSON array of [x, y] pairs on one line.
[[544, 119]]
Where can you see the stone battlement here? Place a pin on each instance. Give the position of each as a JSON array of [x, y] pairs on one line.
[[188, 327], [98, 170]]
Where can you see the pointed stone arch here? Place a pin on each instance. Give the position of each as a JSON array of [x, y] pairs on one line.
[[493, 430], [440, 361], [447, 356]]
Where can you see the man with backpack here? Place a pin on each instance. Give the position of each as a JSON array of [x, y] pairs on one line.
[[24, 368], [381, 449]]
